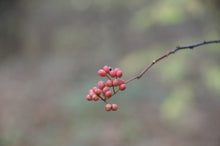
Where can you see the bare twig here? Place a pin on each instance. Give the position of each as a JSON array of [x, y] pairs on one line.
[[167, 54]]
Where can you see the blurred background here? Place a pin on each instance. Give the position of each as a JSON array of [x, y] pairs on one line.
[[50, 51]]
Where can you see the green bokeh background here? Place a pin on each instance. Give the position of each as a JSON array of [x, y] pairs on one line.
[[50, 52]]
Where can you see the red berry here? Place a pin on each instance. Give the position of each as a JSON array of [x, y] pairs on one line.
[[91, 93], [112, 73], [94, 89], [106, 69], [98, 91], [114, 107], [101, 72], [122, 87], [108, 94], [95, 97], [108, 107], [109, 83], [115, 82], [119, 74], [116, 69], [88, 97], [101, 84], [105, 89], [121, 82]]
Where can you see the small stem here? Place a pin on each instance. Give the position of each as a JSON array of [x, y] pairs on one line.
[[113, 89], [103, 99], [131, 79], [108, 77], [116, 91]]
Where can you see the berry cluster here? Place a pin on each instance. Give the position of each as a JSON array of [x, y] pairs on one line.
[[106, 90]]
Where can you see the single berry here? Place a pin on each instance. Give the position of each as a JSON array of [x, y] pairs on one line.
[[119, 74], [121, 82], [115, 82], [112, 73], [101, 72], [91, 93], [95, 97], [114, 107], [94, 89], [88, 97], [101, 84], [108, 94], [110, 68], [108, 107], [105, 89], [109, 83], [106, 69], [98, 91], [122, 87], [116, 69]]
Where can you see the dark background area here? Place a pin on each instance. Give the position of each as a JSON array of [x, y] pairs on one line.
[[50, 51]]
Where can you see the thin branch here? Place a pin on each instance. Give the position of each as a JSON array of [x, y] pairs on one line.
[[169, 53], [196, 45], [103, 99]]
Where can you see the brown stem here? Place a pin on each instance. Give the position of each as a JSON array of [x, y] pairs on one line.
[[103, 99], [167, 54], [113, 89], [108, 77]]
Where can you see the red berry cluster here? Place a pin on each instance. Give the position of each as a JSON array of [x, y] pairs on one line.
[[106, 90]]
